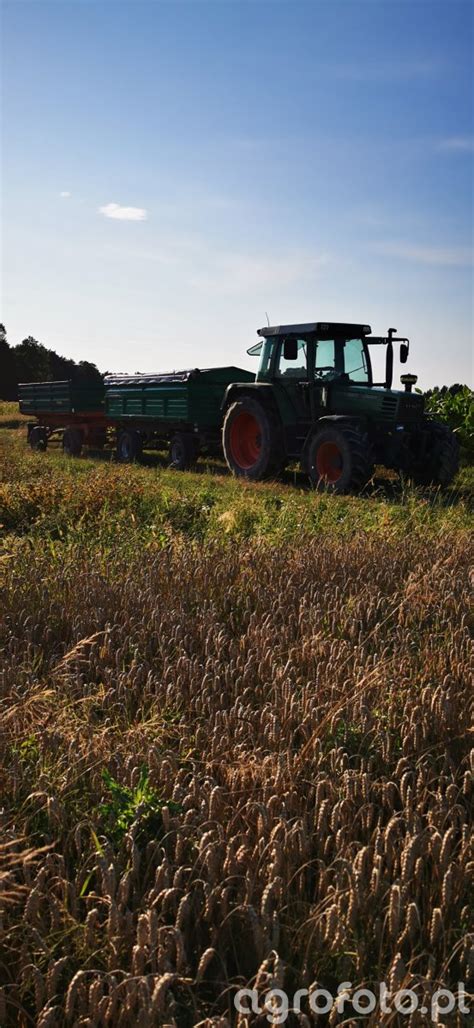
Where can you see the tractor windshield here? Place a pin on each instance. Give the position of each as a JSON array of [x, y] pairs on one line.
[[325, 361], [355, 361]]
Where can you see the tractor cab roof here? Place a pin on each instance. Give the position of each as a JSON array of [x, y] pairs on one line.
[[318, 329]]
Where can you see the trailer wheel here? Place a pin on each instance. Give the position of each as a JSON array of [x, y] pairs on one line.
[[129, 446], [72, 442], [251, 440], [38, 438], [183, 451], [340, 459]]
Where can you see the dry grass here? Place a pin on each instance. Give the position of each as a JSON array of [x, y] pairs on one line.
[[10, 416], [250, 764]]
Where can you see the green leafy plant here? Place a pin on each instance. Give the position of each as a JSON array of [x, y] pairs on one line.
[[455, 406], [140, 806], [27, 750]]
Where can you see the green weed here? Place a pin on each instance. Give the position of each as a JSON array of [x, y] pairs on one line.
[[139, 807]]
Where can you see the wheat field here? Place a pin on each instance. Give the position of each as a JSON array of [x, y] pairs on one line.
[[230, 762]]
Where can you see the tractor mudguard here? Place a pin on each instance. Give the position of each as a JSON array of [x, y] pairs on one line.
[[263, 391]]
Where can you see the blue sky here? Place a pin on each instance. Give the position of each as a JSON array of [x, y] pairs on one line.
[[171, 171]]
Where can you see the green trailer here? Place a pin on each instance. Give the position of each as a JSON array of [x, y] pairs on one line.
[[61, 397], [181, 409], [71, 411]]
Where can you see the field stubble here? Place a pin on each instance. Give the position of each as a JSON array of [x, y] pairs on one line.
[[247, 755]]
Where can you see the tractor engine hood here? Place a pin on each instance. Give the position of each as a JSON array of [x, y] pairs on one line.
[[403, 407], [385, 406]]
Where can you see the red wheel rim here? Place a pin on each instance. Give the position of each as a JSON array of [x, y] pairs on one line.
[[329, 462], [245, 440]]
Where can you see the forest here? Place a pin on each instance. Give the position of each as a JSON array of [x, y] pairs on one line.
[[31, 361]]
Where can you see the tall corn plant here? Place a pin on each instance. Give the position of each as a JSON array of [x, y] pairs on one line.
[[455, 406]]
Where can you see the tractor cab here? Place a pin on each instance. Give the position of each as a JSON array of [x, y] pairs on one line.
[[324, 352], [325, 369]]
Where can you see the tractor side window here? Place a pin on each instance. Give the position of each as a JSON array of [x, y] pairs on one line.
[[296, 368], [355, 364], [325, 365], [265, 357]]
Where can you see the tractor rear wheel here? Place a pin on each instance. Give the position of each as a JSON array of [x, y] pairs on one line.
[[441, 458], [129, 446], [72, 442], [340, 459], [251, 440], [183, 451], [38, 438]]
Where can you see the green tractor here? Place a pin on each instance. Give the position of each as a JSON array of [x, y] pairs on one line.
[[314, 401]]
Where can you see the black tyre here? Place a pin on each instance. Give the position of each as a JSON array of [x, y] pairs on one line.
[[251, 440], [183, 451], [129, 446], [72, 442], [340, 459], [38, 438], [441, 462]]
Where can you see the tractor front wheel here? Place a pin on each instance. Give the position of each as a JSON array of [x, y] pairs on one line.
[[250, 440], [441, 462], [340, 459]]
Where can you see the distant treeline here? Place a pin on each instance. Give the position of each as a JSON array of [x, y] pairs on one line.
[[30, 361]]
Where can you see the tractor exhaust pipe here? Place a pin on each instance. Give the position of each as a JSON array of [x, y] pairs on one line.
[[389, 359]]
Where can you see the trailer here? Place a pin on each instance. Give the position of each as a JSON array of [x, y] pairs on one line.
[[179, 410], [71, 411]]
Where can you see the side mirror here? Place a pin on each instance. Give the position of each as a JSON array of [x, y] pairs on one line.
[[403, 353], [290, 349]]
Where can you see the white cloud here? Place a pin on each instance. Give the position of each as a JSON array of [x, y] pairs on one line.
[[464, 144], [65, 194], [115, 210], [442, 256]]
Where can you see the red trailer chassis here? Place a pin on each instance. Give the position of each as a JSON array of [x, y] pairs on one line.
[[85, 428]]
